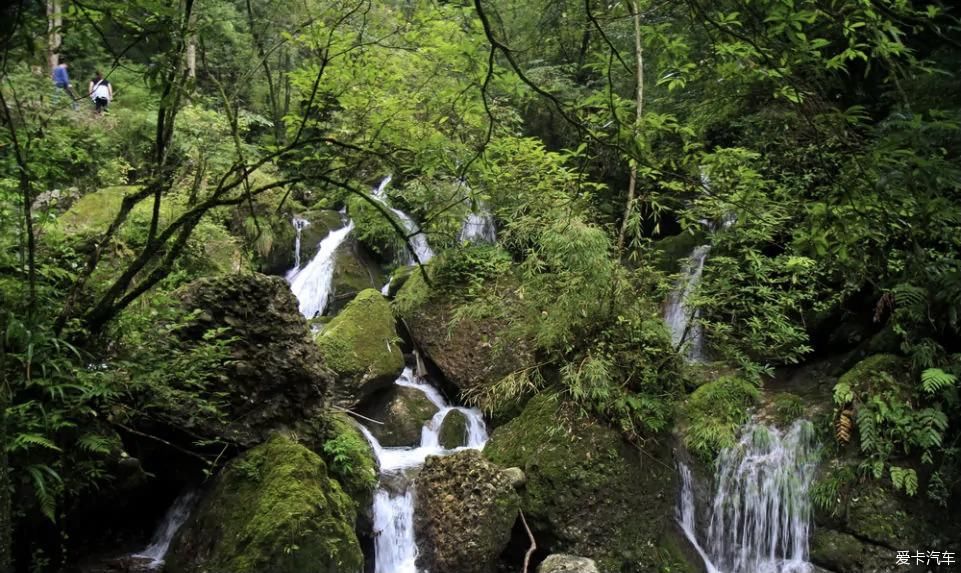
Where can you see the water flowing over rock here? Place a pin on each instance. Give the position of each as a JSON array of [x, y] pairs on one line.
[[172, 521], [678, 314], [299, 226], [395, 547], [312, 284], [761, 513], [479, 227], [419, 240]]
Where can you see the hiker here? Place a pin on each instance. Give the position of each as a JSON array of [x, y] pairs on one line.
[[101, 92], [61, 81]]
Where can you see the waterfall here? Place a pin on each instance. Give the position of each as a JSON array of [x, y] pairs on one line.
[[479, 227], [677, 312], [761, 512], [395, 549], [173, 519], [418, 241], [312, 284], [299, 226]]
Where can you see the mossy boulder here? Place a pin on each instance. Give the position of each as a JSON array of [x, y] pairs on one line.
[[563, 563], [403, 412], [360, 346], [453, 430], [211, 249], [275, 373], [674, 250], [354, 271], [466, 508], [274, 509], [713, 413], [588, 492], [349, 457], [464, 350]]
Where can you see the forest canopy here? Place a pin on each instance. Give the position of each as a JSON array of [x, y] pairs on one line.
[[814, 144]]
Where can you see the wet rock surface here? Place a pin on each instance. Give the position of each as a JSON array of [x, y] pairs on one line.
[[464, 514], [402, 411]]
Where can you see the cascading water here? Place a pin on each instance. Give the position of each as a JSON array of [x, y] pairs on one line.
[[394, 546], [761, 512], [299, 226], [175, 517], [312, 284], [479, 227], [677, 311], [419, 240]]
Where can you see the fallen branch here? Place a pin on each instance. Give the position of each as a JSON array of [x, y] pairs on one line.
[[353, 413], [530, 550]]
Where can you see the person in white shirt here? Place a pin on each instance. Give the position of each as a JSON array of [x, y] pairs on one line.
[[101, 92]]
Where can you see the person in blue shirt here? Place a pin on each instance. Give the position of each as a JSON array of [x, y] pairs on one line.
[[61, 81]]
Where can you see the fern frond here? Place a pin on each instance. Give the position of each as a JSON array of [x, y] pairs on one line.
[[934, 380]]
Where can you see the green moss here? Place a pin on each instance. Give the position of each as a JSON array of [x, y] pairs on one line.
[[403, 411], [588, 492], [349, 457], [360, 345], [881, 371], [453, 430], [412, 295], [675, 249], [713, 414], [787, 407], [272, 509]]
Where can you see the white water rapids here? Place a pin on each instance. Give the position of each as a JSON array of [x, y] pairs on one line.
[[419, 240], [312, 284], [678, 314], [761, 512], [175, 517], [394, 545]]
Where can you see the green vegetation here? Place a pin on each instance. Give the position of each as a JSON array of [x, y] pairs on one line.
[[813, 145], [715, 412]]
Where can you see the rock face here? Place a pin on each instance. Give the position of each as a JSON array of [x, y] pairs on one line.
[[463, 351], [403, 411], [360, 345], [587, 492], [465, 510], [353, 272], [272, 510], [453, 430], [562, 563], [275, 373]]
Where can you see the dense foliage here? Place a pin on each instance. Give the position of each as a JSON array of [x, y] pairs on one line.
[[813, 144]]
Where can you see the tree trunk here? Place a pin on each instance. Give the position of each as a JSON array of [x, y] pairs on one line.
[[6, 515], [632, 182], [54, 24], [192, 45]]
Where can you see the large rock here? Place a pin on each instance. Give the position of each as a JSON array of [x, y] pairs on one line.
[[274, 509], [403, 411], [466, 508], [588, 492], [464, 349], [563, 563], [453, 430], [354, 271], [360, 345], [275, 373]]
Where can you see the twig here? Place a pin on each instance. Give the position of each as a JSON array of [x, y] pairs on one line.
[[162, 441], [353, 413], [530, 550]]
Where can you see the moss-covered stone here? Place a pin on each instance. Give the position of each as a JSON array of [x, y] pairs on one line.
[[713, 413], [464, 350], [453, 430], [563, 563], [843, 553], [274, 509], [465, 510], [877, 370], [353, 272], [674, 250], [360, 345], [349, 458], [403, 411], [275, 374], [588, 492]]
